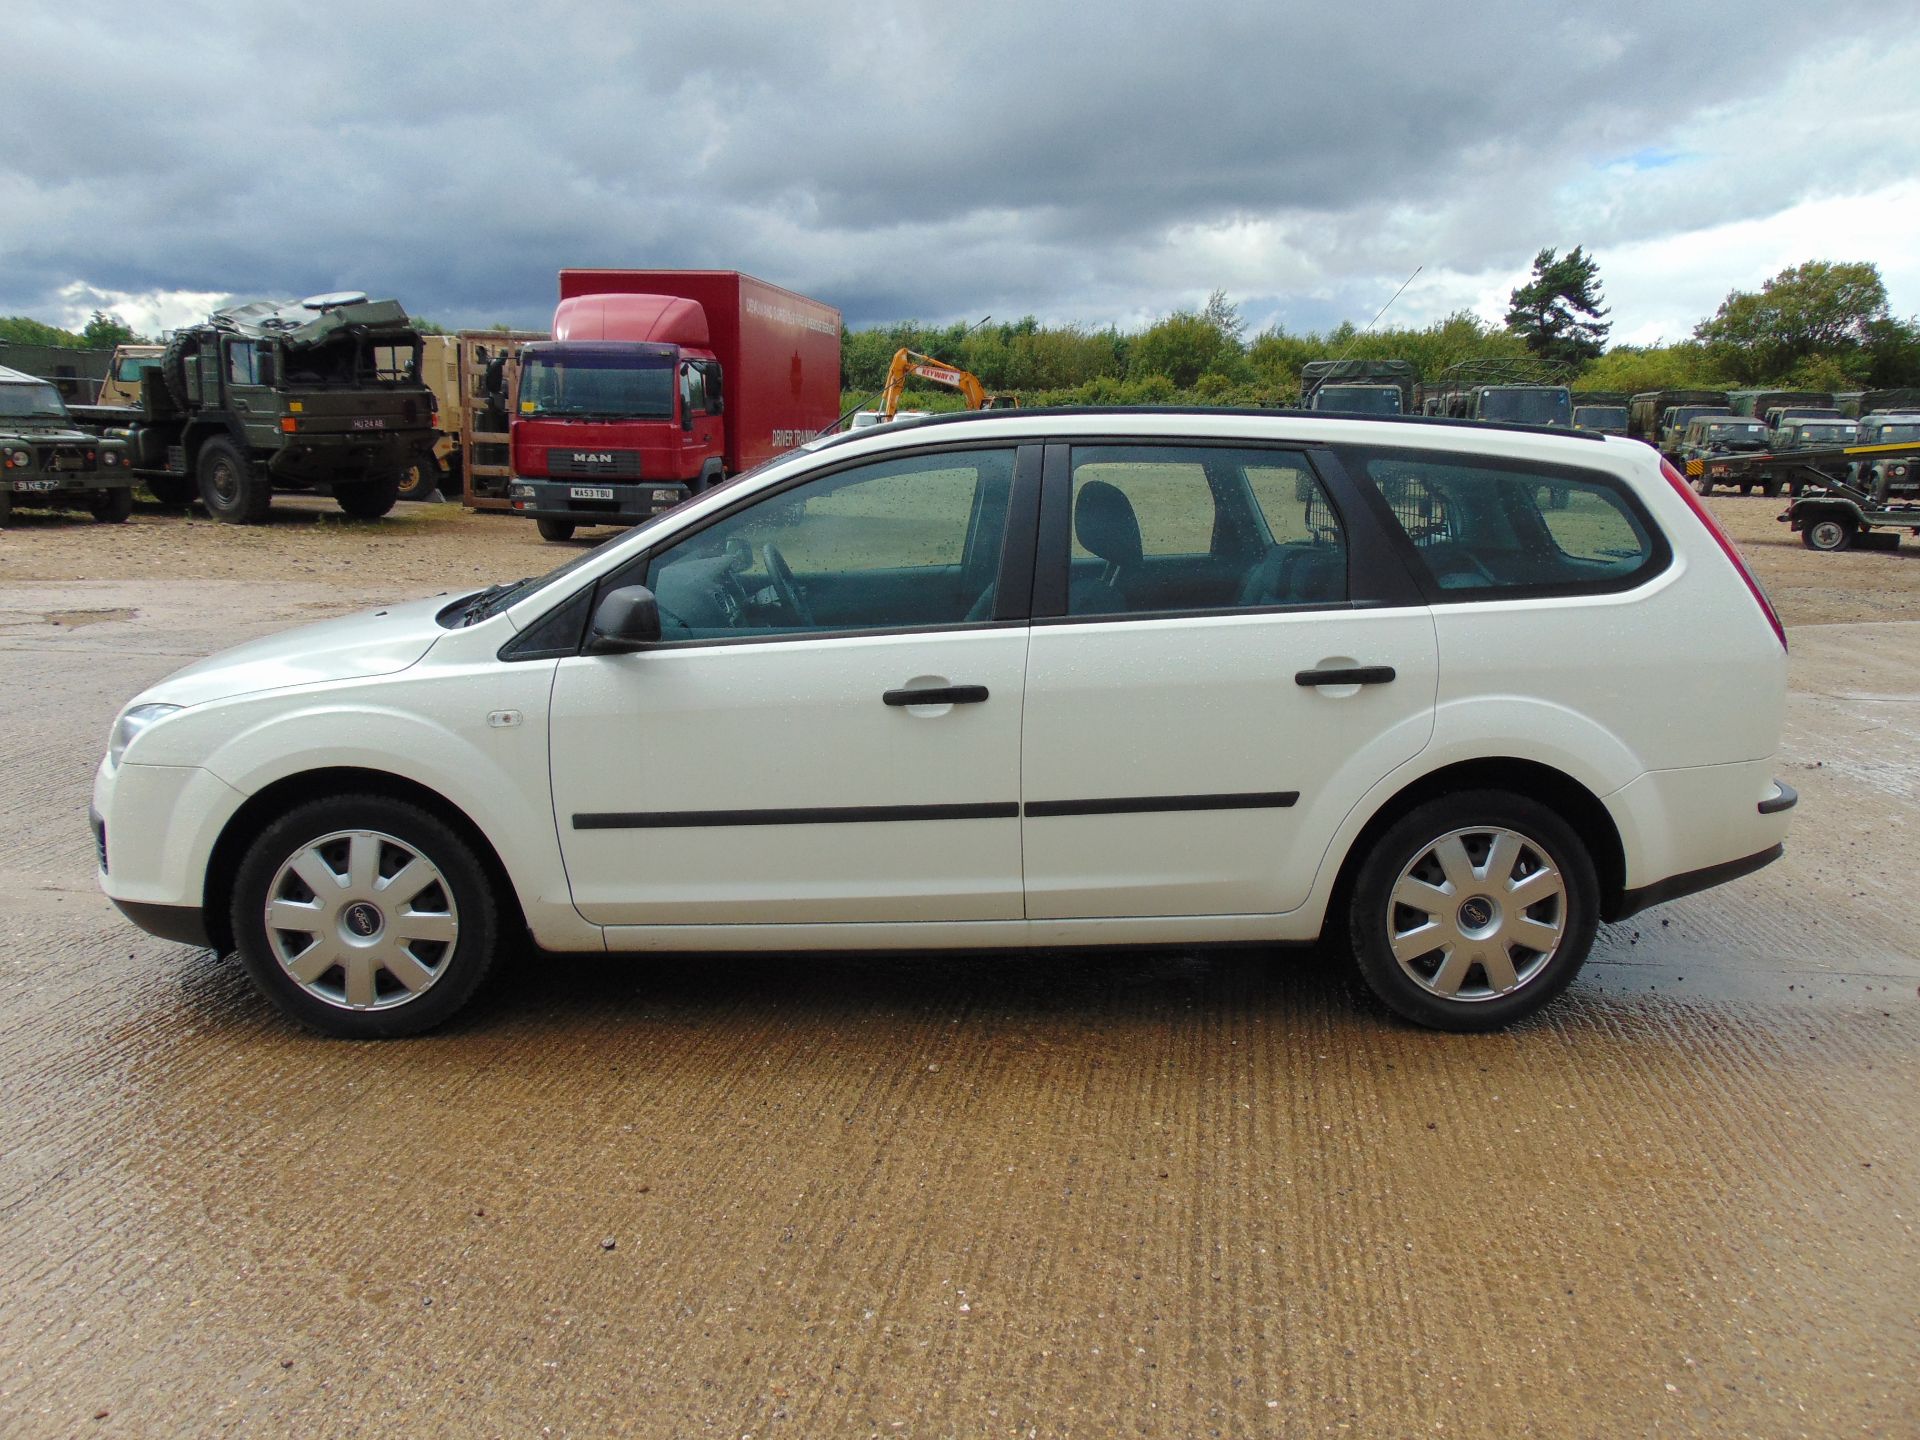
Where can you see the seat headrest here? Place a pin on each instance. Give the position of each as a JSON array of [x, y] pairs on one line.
[[1104, 523]]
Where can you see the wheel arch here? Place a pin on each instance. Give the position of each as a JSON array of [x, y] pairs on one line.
[[265, 805], [1570, 799]]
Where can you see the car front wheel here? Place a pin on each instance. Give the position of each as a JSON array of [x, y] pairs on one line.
[[1473, 910], [364, 917]]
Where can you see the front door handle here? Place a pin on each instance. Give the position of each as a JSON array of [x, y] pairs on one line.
[[1355, 675], [937, 695]]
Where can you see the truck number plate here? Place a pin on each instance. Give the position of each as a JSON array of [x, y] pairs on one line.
[[590, 492], [666, 497], [36, 484]]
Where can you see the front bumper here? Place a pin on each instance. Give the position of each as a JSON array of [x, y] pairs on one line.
[[591, 502]]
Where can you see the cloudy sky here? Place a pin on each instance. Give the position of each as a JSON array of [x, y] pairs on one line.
[[1100, 163]]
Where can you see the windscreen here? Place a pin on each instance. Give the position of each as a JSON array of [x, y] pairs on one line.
[[1601, 417], [1894, 434], [601, 384], [31, 402], [1358, 399], [130, 366], [1729, 430], [1543, 406], [344, 360], [1827, 435]]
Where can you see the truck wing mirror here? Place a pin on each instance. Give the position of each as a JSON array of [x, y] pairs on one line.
[[716, 393], [267, 374], [625, 620]]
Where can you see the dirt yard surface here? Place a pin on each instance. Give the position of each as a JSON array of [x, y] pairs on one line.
[[1143, 1194]]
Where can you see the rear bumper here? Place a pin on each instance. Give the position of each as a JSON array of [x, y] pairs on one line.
[[632, 501], [1688, 830]]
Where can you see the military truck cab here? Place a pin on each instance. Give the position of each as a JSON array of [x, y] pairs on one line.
[[323, 394], [1601, 419], [46, 459], [1895, 474], [1715, 437]]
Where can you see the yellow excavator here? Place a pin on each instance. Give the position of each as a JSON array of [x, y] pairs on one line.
[[910, 362]]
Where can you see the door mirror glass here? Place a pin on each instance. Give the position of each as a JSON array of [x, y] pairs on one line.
[[626, 619], [268, 366], [716, 399]]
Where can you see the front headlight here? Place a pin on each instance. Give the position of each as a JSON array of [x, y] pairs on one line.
[[131, 724]]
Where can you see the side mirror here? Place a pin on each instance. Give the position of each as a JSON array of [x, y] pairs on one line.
[[269, 368], [716, 396], [627, 619]]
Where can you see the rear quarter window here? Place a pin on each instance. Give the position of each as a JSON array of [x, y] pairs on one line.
[[1483, 528]]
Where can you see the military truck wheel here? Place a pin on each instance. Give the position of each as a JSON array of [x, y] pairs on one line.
[[1770, 489], [419, 480], [555, 529], [1703, 486], [369, 499], [6, 508], [113, 507], [228, 487], [173, 490]]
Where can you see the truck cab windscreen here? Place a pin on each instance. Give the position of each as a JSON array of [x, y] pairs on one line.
[[352, 361], [31, 402], [593, 383], [1527, 407], [1358, 399]]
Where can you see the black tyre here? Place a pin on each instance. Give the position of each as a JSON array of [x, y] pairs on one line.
[[1473, 910], [176, 491], [368, 499], [173, 373], [555, 529], [6, 507], [1770, 489], [419, 480], [1746, 489], [229, 488], [364, 917], [1829, 532], [113, 507], [1703, 486]]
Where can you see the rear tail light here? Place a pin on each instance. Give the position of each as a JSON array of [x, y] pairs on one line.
[[1679, 483]]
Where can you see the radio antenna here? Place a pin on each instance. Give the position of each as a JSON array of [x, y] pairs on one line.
[[1383, 310]]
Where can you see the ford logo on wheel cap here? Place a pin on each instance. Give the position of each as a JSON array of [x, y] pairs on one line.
[[363, 919]]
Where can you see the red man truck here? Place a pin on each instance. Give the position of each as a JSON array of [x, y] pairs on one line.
[[659, 383]]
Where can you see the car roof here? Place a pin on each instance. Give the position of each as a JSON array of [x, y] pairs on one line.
[[1199, 421]]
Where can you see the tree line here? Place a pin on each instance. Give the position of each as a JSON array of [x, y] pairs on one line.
[[1822, 325]]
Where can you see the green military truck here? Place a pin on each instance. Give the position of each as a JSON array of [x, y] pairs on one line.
[[46, 459], [325, 394]]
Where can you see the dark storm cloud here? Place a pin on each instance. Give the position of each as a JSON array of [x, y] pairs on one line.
[[926, 163]]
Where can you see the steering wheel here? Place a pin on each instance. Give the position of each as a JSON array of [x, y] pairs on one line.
[[781, 574]]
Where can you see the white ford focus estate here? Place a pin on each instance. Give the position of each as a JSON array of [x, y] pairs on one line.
[[1454, 692]]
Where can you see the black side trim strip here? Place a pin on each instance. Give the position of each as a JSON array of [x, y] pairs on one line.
[[825, 815], [1155, 804], [1785, 800], [1632, 902]]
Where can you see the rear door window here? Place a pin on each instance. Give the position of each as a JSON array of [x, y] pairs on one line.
[[1165, 529], [1483, 529]]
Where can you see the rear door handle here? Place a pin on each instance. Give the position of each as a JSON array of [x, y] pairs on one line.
[[1356, 675], [938, 695]]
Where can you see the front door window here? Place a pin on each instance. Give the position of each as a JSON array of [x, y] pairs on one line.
[[907, 543]]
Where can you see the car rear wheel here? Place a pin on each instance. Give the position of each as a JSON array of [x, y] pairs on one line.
[[1473, 910], [364, 917]]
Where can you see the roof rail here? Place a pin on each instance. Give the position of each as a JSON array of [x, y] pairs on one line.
[[968, 417]]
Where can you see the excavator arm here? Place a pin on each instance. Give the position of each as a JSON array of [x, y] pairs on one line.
[[911, 362]]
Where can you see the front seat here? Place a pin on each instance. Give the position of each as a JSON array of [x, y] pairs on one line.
[[1104, 523]]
